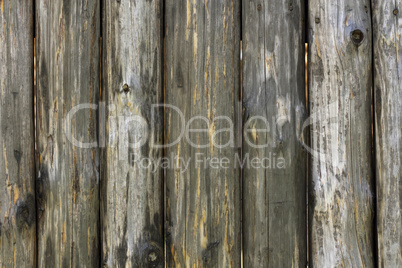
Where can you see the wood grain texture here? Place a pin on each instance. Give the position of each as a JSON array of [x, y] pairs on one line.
[[132, 194], [17, 169], [388, 124], [202, 79], [67, 185], [341, 186], [274, 199]]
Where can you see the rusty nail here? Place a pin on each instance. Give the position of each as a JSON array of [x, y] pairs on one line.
[[396, 11], [126, 89], [317, 20], [291, 7], [259, 7]]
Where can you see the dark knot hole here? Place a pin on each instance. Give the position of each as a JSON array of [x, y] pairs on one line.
[[357, 37], [126, 88]]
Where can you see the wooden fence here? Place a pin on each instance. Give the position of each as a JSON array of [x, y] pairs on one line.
[[172, 133]]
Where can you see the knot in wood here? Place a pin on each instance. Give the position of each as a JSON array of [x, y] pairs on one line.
[[259, 7], [357, 37], [317, 20], [126, 88], [25, 214], [152, 254], [153, 258]]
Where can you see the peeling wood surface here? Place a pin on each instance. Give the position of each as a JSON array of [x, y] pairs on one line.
[[17, 170], [341, 186], [202, 78], [132, 194], [67, 176], [274, 211], [388, 127]]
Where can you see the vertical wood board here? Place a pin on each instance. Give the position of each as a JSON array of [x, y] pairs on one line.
[[67, 184], [17, 168], [341, 187], [274, 110], [202, 78], [132, 192], [388, 129]]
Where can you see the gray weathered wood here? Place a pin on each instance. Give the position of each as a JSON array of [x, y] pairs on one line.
[[67, 183], [341, 186], [274, 207], [388, 127], [17, 170], [202, 78], [132, 195]]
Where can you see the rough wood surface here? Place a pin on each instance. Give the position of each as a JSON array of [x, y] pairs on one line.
[[17, 170], [274, 211], [388, 126], [202, 79], [340, 79], [132, 194], [67, 185]]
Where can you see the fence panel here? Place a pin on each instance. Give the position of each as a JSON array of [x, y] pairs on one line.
[[206, 121], [341, 186], [17, 170], [202, 82], [274, 108], [388, 122], [132, 193], [67, 183]]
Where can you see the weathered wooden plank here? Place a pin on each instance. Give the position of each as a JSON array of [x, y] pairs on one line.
[[274, 108], [68, 175], [388, 124], [17, 170], [132, 194], [202, 79], [341, 186]]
